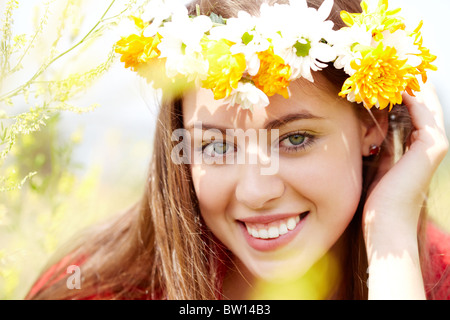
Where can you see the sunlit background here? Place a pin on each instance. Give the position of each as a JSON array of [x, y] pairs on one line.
[[92, 165]]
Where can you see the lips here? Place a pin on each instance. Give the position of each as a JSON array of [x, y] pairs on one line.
[[271, 231]]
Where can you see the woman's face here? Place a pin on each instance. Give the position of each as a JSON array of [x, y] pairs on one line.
[[283, 219]]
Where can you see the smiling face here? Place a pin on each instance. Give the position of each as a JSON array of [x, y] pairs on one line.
[[288, 219]]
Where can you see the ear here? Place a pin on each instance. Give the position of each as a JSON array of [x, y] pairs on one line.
[[374, 130]]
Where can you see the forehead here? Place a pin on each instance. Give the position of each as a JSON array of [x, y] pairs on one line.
[[312, 100]]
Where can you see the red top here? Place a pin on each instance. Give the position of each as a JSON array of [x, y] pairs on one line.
[[437, 277], [436, 273]]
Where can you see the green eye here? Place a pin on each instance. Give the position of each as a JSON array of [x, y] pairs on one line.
[[220, 148], [296, 142], [296, 139], [217, 148]]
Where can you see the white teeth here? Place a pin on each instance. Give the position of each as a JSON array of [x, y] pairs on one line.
[[272, 230], [263, 234], [291, 224], [283, 229]]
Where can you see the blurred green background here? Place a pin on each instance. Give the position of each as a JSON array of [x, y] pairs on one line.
[[82, 127], [93, 165]]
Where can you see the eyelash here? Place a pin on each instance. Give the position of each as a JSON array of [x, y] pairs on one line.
[[207, 144], [309, 139]]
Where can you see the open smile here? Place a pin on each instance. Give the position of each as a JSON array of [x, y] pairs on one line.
[[266, 233]]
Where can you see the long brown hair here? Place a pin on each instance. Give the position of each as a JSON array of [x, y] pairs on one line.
[[160, 248]]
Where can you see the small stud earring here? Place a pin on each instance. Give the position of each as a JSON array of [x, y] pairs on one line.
[[374, 150]]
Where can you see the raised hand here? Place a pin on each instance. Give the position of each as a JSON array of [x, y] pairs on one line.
[[393, 207]]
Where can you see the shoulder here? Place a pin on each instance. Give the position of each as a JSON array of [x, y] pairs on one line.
[[53, 275], [437, 268], [63, 280], [59, 282]]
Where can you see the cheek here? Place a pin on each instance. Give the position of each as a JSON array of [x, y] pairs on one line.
[[214, 190], [330, 178], [341, 188]]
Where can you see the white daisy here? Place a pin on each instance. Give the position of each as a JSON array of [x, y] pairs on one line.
[[248, 96], [181, 47], [345, 41], [157, 11], [404, 44], [241, 31], [298, 35]]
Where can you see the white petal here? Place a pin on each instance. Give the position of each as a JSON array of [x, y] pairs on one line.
[[151, 29], [298, 5], [203, 23], [253, 65], [325, 9], [323, 52], [414, 61], [306, 72]]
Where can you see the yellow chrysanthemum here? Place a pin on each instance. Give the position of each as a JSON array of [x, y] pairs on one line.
[[138, 49], [377, 21], [273, 75], [380, 77], [225, 69], [425, 55], [139, 23]]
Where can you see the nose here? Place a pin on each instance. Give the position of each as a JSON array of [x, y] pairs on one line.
[[256, 190]]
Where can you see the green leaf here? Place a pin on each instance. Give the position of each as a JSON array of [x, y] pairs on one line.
[[246, 38], [216, 18]]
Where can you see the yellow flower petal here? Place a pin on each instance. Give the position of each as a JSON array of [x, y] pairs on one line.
[[273, 75], [137, 50], [139, 22], [380, 77], [225, 69], [377, 21]]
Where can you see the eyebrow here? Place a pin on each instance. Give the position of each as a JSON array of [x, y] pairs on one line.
[[305, 115], [273, 124]]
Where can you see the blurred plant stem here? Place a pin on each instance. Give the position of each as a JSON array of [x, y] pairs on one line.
[[43, 72], [49, 89], [45, 66]]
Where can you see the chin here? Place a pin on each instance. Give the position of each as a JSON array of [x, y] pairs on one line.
[[278, 267], [296, 278]]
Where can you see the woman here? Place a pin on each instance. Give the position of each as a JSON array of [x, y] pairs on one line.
[[343, 203]]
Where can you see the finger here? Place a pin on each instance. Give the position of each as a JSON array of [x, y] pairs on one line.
[[426, 113], [428, 121], [432, 100], [429, 100], [420, 115]]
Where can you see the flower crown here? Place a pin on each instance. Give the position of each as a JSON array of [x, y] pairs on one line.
[[247, 59]]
